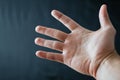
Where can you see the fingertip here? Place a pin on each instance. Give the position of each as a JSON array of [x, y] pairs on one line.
[[37, 53], [103, 11], [104, 5], [56, 14], [37, 28], [53, 12], [40, 54], [36, 40], [104, 16]]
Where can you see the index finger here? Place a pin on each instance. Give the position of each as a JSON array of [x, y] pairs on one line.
[[68, 22]]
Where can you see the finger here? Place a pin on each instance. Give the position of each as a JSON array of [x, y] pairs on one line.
[[50, 56], [68, 22], [51, 32], [56, 45], [104, 17]]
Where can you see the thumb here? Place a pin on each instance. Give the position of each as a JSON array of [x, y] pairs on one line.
[[104, 17]]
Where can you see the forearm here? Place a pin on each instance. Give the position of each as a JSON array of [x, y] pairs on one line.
[[110, 68]]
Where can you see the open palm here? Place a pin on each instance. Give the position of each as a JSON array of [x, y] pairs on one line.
[[82, 49]]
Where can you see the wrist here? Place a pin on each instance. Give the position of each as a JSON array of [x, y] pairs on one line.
[[107, 66]]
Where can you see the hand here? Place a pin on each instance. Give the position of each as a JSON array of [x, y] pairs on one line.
[[82, 49]]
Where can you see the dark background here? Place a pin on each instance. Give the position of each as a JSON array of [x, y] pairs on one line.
[[18, 18]]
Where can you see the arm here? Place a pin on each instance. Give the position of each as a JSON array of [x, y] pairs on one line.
[[110, 68]]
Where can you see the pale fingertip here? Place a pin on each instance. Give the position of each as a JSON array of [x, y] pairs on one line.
[[36, 40], [104, 5], [103, 11], [53, 12], [37, 28], [40, 54], [104, 17], [56, 14], [37, 53]]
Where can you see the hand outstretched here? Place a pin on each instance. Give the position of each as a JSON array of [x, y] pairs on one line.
[[82, 49]]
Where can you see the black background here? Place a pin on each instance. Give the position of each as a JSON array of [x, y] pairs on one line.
[[18, 18]]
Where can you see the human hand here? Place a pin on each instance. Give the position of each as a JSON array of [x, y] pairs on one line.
[[82, 49]]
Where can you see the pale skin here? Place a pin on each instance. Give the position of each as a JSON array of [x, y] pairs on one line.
[[89, 52]]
